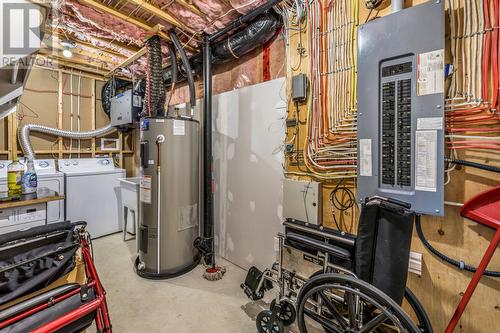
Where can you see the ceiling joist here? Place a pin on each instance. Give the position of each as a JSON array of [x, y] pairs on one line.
[[161, 14]]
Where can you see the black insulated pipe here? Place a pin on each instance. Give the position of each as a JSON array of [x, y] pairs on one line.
[[474, 165], [154, 100], [187, 67], [173, 61], [243, 19], [208, 209]]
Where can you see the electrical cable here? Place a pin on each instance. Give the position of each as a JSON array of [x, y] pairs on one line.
[[474, 165], [457, 263]]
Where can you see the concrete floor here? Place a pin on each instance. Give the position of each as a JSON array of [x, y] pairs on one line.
[[187, 304]]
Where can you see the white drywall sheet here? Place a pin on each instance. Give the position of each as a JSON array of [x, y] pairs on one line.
[[249, 130]]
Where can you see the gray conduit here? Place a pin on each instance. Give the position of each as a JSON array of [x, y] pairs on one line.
[[24, 135]]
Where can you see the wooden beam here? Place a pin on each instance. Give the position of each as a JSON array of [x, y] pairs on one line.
[[191, 7], [129, 60], [70, 33], [75, 60], [160, 14], [76, 71], [80, 42], [79, 52]]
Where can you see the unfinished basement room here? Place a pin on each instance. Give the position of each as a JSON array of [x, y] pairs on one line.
[[249, 166]]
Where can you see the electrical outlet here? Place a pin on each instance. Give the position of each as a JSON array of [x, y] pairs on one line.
[[415, 266]]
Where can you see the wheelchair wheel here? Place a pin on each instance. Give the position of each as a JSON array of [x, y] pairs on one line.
[[267, 323], [424, 322], [287, 314], [338, 303]]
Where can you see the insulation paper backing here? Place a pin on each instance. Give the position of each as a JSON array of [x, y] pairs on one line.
[[425, 160], [365, 161], [431, 73]]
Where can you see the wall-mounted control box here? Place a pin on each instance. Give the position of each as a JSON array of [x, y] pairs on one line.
[[125, 108], [299, 88], [302, 201]]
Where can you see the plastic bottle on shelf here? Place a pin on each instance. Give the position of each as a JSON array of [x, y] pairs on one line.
[[15, 172], [30, 181]]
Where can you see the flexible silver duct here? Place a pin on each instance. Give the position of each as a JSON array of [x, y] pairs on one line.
[[24, 135]]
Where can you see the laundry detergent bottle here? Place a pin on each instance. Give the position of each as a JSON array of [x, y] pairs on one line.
[[15, 172], [30, 181]]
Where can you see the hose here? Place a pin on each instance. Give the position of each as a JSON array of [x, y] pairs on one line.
[[475, 165], [187, 67], [155, 91], [174, 66], [24, 135], [459, 264]]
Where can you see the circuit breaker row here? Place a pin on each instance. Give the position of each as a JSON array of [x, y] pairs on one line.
[[396, 133]]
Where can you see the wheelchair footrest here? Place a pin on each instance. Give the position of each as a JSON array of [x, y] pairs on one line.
[[252, 282]]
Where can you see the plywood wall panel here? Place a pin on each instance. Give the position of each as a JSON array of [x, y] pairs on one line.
[[441, 285]]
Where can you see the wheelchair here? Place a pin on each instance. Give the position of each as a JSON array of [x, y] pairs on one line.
[[35, 292], [335, 282]]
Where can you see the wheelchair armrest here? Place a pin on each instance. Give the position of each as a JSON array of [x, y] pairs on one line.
[[34, 301], [319, 245]]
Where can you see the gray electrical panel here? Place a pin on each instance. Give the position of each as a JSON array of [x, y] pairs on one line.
[[302, 201], [401, 107]]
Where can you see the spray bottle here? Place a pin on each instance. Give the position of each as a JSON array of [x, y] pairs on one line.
[[30, 181]]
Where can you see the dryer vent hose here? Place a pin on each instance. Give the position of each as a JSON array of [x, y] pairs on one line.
[[24, 135]]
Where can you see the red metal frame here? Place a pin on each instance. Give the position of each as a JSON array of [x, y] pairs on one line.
[[484, 209], [99, 305]]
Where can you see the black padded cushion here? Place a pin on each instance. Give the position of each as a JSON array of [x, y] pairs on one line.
[[32, 259], [320, 246], [383, 247]]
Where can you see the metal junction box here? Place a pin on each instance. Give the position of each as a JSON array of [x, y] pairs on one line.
[[302, 201], [125, 108], [401, 107]]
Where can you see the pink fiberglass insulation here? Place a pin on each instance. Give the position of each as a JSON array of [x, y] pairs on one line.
[[184, 15], [101, 22]]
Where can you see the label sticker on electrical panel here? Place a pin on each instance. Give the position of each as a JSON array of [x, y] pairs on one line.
[[365, 158], [145, 190], [430, 123], [431, 73], [179, 127], [425, 160]]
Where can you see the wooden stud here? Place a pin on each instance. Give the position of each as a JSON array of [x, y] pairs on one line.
[[60, 110], [127, 62], [135, 21], [120, 139], [192, 7], [10, 142], [93, 114]]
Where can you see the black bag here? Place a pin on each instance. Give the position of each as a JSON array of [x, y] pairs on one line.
[[31, 259], [383, 246]]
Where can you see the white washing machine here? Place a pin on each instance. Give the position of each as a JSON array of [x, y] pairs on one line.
[[3, 175], [92, 193], [49, 177]]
